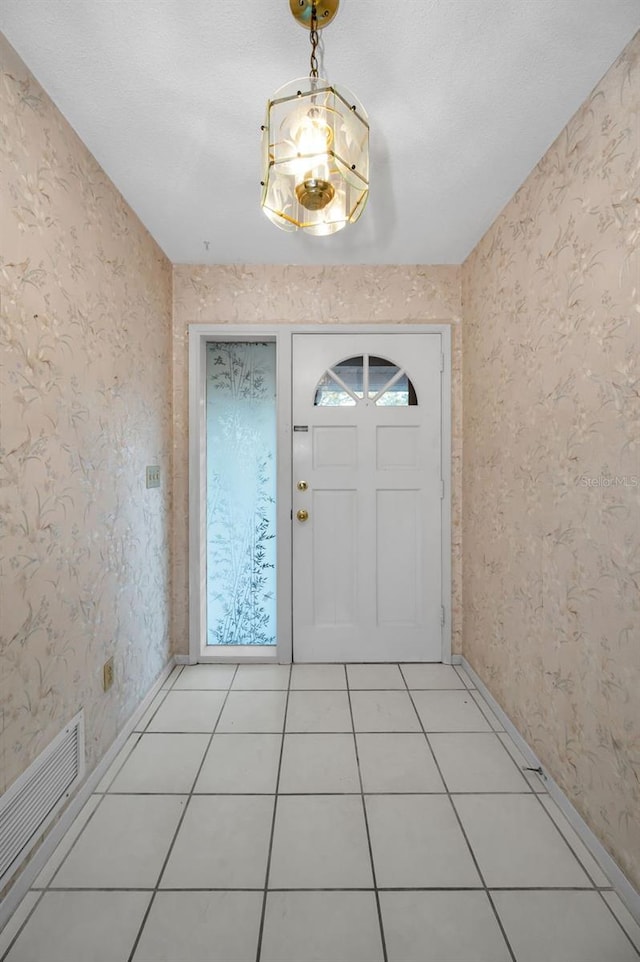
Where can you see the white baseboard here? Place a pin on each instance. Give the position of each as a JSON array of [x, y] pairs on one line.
[[32, 869], [611, 869]]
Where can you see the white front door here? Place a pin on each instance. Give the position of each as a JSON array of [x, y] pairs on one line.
[[367, 577]]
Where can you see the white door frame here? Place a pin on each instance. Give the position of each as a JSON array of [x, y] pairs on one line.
[[199, 335]]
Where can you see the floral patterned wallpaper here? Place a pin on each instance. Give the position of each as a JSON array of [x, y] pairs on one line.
[[305, 295], [85, 402], [552, 460]]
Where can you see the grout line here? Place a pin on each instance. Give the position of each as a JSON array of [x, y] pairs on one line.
[[341, 888], [413, 688], [178, 827], [302, 794], [471, 852], [341, 731], [366, 825], [273, 826]]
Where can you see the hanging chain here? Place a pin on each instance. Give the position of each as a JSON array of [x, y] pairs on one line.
[[313, 37]]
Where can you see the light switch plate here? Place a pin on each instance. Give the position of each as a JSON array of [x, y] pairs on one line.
[[153, 475]]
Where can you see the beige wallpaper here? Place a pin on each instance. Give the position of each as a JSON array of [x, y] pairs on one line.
[[552, 460], [85, 402], [306, 295]]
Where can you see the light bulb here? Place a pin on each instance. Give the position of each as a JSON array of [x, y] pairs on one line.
[[313, 135], [312, 138]]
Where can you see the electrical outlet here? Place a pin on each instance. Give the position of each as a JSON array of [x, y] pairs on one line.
[[107, 674], [153, 475]]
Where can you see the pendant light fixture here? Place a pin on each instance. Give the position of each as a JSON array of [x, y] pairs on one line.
[[315, 143]]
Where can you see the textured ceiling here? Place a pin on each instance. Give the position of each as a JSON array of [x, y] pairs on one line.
[[463, 96]]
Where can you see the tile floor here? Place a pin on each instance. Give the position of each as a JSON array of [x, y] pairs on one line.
[[320, 814]]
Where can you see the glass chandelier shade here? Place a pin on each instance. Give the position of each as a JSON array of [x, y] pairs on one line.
[[315, 143]]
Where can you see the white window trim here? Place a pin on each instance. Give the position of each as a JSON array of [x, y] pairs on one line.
[[199, 335]]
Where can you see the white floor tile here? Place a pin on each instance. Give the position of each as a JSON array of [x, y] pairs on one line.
[[321, 927], [261, 678], [624, 917], [449, 711], [146, 717], [374, 676], [320, 841], [562, 927], [223, 842], [124, 844], [397, 762], [476, 762], [310, 677], [580, 849], [383, 711], [188, 711], [253, 711], [441, 927], [12, 927], [205, 677], [61, 852], [534, 781], [417, 842], [162, 763], [516, 843], [241, 764], [201, 927], [123, 835], [319, 763], [431, 676], [318, 711], [87, 926]]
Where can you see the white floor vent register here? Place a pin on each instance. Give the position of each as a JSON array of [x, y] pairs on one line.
[[36, 797]]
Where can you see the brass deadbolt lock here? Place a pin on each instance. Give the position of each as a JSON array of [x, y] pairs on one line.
[[302, 485]]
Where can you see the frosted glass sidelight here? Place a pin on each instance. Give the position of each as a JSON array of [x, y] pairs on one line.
[[241, 493]]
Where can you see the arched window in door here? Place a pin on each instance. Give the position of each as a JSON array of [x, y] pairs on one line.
[[378, 379]]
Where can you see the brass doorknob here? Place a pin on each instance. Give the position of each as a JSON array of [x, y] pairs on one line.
[[302, 515], [302, 485]]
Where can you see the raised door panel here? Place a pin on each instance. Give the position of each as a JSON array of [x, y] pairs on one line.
[[398, 446], [335, 446], [399, 526], [335, 557]]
